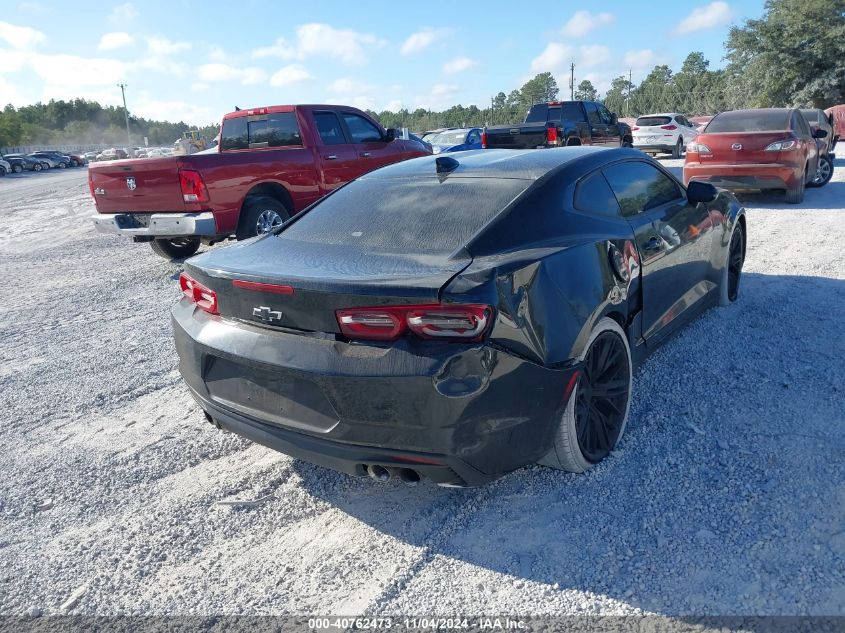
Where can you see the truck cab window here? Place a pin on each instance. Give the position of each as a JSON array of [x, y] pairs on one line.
[[234, 134], [362, 131], [329, 129]]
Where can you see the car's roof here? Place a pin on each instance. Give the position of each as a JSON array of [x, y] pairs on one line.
[[489, 163], [661, 114]]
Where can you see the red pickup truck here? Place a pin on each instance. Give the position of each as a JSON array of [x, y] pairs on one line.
[[270, 164]]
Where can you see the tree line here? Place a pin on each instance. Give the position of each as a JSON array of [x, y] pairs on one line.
[[794, 55]]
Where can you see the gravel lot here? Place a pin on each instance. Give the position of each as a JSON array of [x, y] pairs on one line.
[[116, 496]]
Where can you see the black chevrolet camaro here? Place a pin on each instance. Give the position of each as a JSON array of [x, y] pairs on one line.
[[457, 318]]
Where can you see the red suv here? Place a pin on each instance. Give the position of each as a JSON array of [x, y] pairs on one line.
[[769, 148]]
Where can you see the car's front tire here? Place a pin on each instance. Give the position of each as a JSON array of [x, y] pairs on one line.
[[597, 411], [177, 248], [37, 167], [16, 169]]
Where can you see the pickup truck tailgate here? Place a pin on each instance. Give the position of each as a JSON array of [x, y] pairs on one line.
[[520, 136], [148, 185]]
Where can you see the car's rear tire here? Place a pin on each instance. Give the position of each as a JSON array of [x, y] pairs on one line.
[[62, 165], [2, 170], [732, 272], [678, 150], [795, 195], [824, 172], [595, 416], [16, 169], [176, 248], [261, 214], [36, 167]]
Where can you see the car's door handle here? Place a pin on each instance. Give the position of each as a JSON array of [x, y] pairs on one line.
[[653, 244], [331, 157], [365, 154]]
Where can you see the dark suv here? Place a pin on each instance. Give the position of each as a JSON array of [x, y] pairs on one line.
[[818, 120]]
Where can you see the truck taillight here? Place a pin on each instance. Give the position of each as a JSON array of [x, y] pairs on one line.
[[205, 298], [445, 322], [91, 184], [193, 188], [551, 134], [484, 138]]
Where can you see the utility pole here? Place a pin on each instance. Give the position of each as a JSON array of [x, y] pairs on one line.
[[126, 114], [491, 110], [628, 101], [572, 81]]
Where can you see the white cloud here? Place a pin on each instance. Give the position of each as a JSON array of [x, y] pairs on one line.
[[13, 61], [217, 54], [252, 76], [705, 17], [224, 72], [593, 55], [199, 86], [292, 74], [20, 37], [421, 40], [459, 65], [582, 22], [347, 84], [440, 96], [110, 41], [640, 60], [123, 13], [70, 70], [553, 59], [315, 39], [393, 106], [174, 111], [11, 94], [161, 46]]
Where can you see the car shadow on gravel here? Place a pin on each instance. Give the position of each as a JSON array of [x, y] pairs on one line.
[[726, 495], [830, 196]]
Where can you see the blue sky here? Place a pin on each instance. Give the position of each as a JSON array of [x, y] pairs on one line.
[[195, 61]]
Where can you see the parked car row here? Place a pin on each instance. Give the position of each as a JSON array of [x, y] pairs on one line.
[[36, 161]]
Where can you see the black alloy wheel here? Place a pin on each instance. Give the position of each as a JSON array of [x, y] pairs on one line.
[[602, 396], [736, 258]]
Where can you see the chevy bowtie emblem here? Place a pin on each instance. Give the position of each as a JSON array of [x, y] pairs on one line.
[[736, 146], [266, 314], [130, 184]]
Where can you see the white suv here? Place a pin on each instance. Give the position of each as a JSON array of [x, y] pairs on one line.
[[666, 132]]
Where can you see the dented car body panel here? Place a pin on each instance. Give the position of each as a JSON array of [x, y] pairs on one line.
[[459, 413]]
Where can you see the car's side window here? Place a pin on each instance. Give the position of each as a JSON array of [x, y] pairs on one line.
[[329, 129], [474, 137], [639, 186], [803, 128], [604, 114], [235, 134], [592, 113], [279, 129], [593, 195], [362, 131]]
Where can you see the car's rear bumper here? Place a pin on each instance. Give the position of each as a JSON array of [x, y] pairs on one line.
[[457, 414], [668, 147], [747, 176], [157, 224]]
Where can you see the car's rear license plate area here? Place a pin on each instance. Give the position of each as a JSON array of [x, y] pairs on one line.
[[269, 395]]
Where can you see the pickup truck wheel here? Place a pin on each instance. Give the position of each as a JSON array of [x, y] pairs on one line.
[[178, 248], [261, 215]]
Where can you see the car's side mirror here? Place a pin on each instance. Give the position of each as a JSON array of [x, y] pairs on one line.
[[390, 135], [701, 192], [819, 133]]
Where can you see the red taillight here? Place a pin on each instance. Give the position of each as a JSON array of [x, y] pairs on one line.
[[635, 128], [669, 127], [205, 299], [193, 188], [484, 138], [437, 321], [275, 289], [91, 184], [551, 134]]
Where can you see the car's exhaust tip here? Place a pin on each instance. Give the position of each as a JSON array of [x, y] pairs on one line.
[[379, 473], [409, 476]]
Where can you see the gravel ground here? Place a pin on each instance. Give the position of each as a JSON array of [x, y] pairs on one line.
[[116, 497]]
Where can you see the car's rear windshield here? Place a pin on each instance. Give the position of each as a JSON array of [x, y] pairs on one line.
[[749, 121], [278, 129], [409, 215], [448, 138], [543, 112], [645, 121]]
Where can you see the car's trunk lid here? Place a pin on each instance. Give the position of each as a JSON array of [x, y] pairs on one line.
[[289, 284], [733, 147]]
